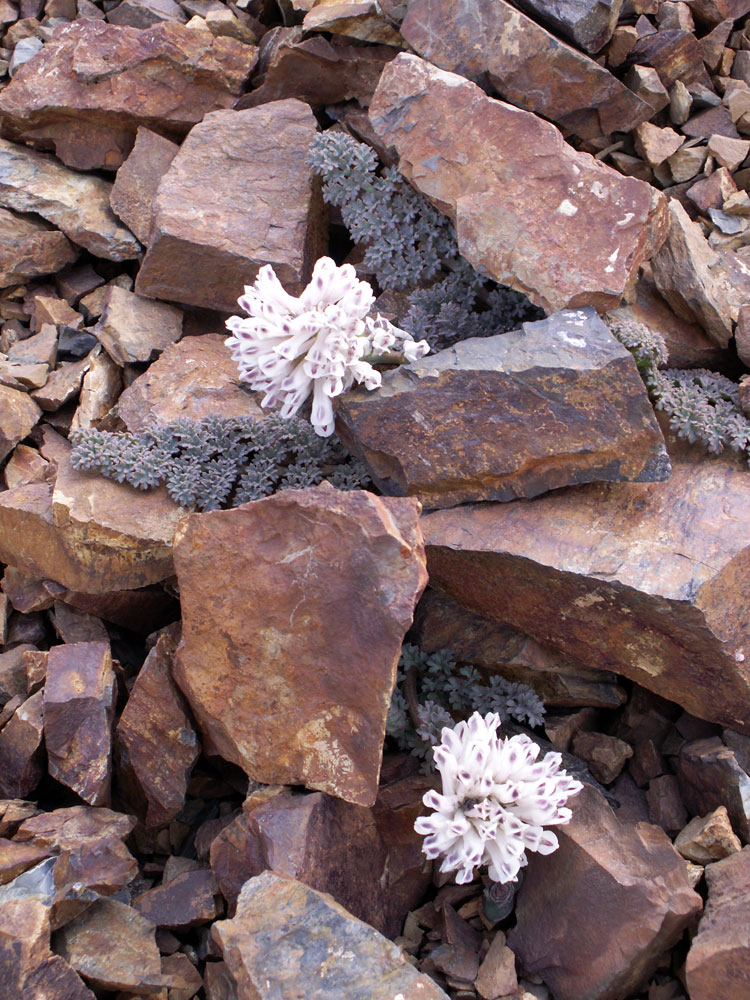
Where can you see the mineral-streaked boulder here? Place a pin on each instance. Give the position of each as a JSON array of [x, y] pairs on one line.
[[76, 203], [134, 190], [587, 23], [456, 426], [644, 580], [595, 917], [575, 238], [289, 940], [717, 963], [296, 698], [18, 414], [93, 84], [29, 246], [155, 741], [78, 709], [208, 241], [193, 379], [525, 64], [133, 328]]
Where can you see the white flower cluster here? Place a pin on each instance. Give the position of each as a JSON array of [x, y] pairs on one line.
[[496, 798], [316, 343]]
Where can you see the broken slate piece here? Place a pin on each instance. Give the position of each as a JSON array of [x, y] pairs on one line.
[[137, 180], [29, 247], [133, 328], [556, 403]]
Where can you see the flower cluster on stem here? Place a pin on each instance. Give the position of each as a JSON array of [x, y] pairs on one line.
[[496, 799], [319, 343]]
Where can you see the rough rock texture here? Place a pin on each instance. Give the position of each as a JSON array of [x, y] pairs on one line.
[[296, 698], [708, 838], [76, 203], [529, 210], [362, 19], [454, 426], [133, 328], [86, 533], [709, 777], [79, 697], [287, 939], [193, 379], [587, 23], [29, 246], [155, 741], [209, 241], [21, 749], [187, 900], [18, 414], [719, 957], [527, 66], [645, 580], [594, 917], [369, 860], [134, 189], [94, 83]]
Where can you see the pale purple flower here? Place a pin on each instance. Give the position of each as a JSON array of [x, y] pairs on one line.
[[496, 799], [318, 343]]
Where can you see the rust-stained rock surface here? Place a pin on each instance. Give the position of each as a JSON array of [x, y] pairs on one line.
[[208, 241], [594, 917], [79, 696], [137, 180], [285, 934], [709, 777], [18, 414], [29, 246], [644, 580], [587, 23], [132, 328], [454, 427], [524, 63], [296, 698], [533, 213], [94, 83], [22, 749], [187, 900]]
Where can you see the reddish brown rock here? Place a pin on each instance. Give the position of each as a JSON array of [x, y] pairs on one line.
[[184, 978], [142, 611], [454, 427], [260, 214], [709, 838], [665, 806], [613, 895], [194, 379], [716, 11], [27, 966], [76, 203], [100, 386], [281, 699], [155, 741], [134, 190], [710, 777], [13, 673], [25, 465], [654, 144], [112, 946], [717, 963], [29, 247], [78, 711], [473, 156], [315, 69], [283, 930], [699, 283], [18, 414], [145, 13], [94, 83], [589, 23], [525, 64], [369, 860], [604, 755], [132, 328], [674, 54], [218, 982], [497, 973], [361, 19], [16, 858], [642, 579], [73, 625], [53, 977], [188, 900], [21, 750]]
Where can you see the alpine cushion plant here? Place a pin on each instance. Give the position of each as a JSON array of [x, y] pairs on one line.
[[318, 343], [496, 799]]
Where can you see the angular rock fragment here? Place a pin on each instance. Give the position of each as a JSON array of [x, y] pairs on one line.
[[575, 238], [361, 19], [674, 54], [29, 247], [282, 699], [132, 328], [21, 749], [287, 938], [62, 386], [134, 190], [94, 83], [710, 777], [100, 386], [455, 427], [76, 203], [613, 895], [525, 64], [27, 966], [145, 13], [78, 710], [718, 959], [604, 755], [16, 858], [208, 242], [188, 900], [194, 379], [708, 838], [18, 414], [155, 741], [587, 23], [644, 580]]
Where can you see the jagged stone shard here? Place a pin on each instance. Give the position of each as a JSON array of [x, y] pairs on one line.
[[555, 403], [644, 580], [530, 211], [525, 64], [588, 23], [296, 696], [289, 940]]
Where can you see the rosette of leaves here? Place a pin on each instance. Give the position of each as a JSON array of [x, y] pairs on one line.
[[219, 462], [409, 244]]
